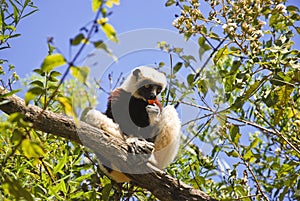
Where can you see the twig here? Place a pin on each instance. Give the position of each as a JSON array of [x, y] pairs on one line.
[[209, 58], [71, 63], [278, 133]]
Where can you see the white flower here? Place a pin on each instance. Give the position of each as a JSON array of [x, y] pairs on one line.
[[224, 26], [281, 8]]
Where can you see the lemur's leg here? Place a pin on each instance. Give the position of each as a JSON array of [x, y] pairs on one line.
[[101, 121]]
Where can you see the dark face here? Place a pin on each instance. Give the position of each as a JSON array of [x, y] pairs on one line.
[[149, 91]]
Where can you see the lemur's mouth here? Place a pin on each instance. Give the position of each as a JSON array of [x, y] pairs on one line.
[[151, 101]]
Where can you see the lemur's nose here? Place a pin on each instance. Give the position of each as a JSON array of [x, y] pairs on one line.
[[152, 96]]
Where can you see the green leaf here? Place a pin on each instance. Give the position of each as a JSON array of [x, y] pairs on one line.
[[15, 117], [202, 87], [235, 66], [77, 40], [190, 79], [232, 153], [248, 155], [101, 45], [221, 54], [52, 61], [53, 75], [203, 47], [252, 89], [201, 41], [9, 93], [96, 5], [109, 31], [16, 12], [187, 35], [177, 67], [67, 105], [292, 8], [235, 134], [33, 93], [39, 71], [10, 27], [110, 3], [170, 3], [161, 64], [61, 164], [253, 144], [298, 30], [32, 149], [80, 73], [37, 83], [106, 191], [12, 187]]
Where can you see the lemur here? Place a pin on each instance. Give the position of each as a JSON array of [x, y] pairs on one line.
[[134, 110]]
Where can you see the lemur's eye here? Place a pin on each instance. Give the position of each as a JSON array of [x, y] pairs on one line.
[[158, 90], [147, 86]]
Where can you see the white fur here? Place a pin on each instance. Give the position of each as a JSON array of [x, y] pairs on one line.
[[99, 120], [167, 141], [147, 73]]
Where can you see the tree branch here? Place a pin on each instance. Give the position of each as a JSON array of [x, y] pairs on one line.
[[163, 186]]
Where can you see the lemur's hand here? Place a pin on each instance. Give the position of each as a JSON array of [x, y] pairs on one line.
[[153, 113], [153, 110]]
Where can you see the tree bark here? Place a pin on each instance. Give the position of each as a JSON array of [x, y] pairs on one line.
[[163, 186]]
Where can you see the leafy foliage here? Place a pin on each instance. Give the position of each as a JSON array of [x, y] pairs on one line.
[[254, 71], [245, 92]]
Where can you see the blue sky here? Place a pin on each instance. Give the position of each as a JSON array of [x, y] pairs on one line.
[[63, 19]]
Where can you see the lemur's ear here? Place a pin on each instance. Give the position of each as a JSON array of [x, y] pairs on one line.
[[136, 73]]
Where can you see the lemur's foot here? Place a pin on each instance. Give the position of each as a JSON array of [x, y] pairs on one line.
[[139, 145]]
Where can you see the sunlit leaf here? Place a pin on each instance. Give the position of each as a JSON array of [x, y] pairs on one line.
[[96, 4], [110, 3], [109, 31], [232, 153], [221, 53], [248, 155], [80, 73], [60, 164], [33, 93], [5, 95], [32, 149], [67, 105], [52, 61], [37, 83]]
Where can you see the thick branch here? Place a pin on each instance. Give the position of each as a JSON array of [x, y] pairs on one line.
[[161, 185]]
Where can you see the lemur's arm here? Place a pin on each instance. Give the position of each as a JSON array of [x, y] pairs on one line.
[[167, 140]]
